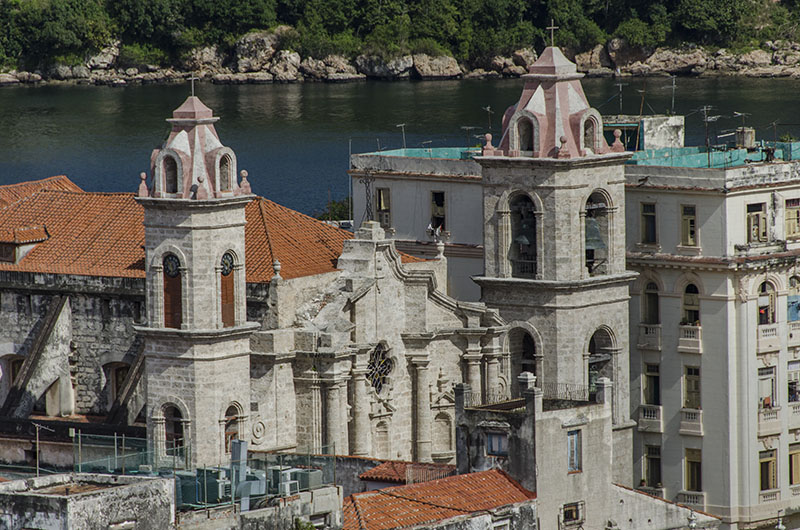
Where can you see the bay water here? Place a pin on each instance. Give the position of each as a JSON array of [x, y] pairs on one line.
[[294, 140]]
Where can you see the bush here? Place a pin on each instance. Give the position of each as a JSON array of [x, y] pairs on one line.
[[428, 46], [139, 55]]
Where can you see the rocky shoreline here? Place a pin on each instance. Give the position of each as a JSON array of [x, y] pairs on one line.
[[257, 59]]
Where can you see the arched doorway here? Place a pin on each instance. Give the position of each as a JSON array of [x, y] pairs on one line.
[[601, 347]]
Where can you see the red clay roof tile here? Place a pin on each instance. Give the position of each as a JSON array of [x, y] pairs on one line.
[[416, 504], [13, 192], [102, 234], [395, 471]]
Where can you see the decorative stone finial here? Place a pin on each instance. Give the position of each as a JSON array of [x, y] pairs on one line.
[[143, 191], [488, 148], [563, 151], [276, 267], [202, 193], [244, 185], [617, 146], [441, 384], [527, 381], [439, 249]]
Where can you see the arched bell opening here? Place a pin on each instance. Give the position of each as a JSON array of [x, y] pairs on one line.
[[596, 235]]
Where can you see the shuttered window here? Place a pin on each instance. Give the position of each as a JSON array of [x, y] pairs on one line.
[[794, 464], [792, 218], [172, 292], [226, 288]]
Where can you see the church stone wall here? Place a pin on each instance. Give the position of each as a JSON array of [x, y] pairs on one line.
[[102, 311]]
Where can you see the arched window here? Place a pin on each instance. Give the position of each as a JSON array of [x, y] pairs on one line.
[[173, 430], [651, 313], [442, 434], [600, 347], [525, 134], [170, 171], [225, 173], [596, 237], [589, 134], [382, 448], [227, 290], [523, 356], [766, 304], [793, 300], [172, 292], [691, 305], [116, 374], [231, 427], [522, 251]]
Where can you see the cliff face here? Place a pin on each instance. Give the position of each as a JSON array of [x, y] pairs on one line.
[[257, 58]]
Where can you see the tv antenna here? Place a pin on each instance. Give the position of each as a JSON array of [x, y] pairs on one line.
[[489, 113], [619, 85], [742, 114], [467, 129], [705, 109], [403, 128], [672, 106]]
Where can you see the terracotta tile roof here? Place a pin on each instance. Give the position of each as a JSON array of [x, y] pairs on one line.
[[395, 471], [23, 235], [11, 193], [102, 234], [416, 504]]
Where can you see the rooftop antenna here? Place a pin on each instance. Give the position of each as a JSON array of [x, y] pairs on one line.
[[489, 113], [643, 91], [193, 78], [742, 114], [427, 144], [552, 27], [620, 84], [467, 129], [367, 181], [403, 127], [672, 106], [707, 119]]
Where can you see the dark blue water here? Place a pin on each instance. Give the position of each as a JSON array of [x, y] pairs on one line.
[[294, 139]]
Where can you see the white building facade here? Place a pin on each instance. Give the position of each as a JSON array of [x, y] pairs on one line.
[[715, 336]]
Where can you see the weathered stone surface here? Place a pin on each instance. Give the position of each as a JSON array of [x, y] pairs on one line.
[[285, 67], [622, 54], [339, 64], [768, 71], [755, 58], [345, 77], [313, 68], [498, 63], [674, 61], [105, 58], [480, 73], [204, 58], [80, 72], [8, 79], [524, 57], [259, 78], [787, 57], [60, 71], [600, 72], [441, 67], [372, 66], [594, 59], [514, 70], [254, 51]]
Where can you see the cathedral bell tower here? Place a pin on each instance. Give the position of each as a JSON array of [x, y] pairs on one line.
[[197, 338], [554, 240]]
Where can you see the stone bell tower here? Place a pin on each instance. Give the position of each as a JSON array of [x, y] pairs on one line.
[[554, 240], [197, 365]]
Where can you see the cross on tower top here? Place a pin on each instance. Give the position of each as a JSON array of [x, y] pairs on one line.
[[193, 79], [552, 27]]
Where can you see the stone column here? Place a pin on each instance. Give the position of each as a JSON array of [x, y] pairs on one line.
[[503, 237], [361, 430], [239, 295], [423, 411], [156, 314], [473, 358], [617, 415], [159, 437], [492, 352], [343, 446], [332, 417]]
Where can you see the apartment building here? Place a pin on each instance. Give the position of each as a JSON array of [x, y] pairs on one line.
[[715, 330]]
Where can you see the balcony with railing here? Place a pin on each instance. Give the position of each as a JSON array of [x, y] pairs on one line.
[[649, 337], [769, 421], [650, 418], [693, 499], [793, 333], [769, 496], [794, 415], [655, 492], [768, 338], [523, 268], [690, 339], [691, 422]]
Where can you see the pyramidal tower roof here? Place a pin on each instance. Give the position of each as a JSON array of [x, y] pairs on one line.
[[193, 163], [552, 118]]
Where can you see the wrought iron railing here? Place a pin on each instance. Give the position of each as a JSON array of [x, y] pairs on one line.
[[524, 268], [476, 399], [565, 391]]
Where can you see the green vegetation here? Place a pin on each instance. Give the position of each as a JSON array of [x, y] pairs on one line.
[[335, 211], [38, 32]]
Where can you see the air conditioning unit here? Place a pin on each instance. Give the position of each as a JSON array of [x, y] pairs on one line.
[[308, 479], [276, 476], [289, 487], [186, 488], [258, 480]]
